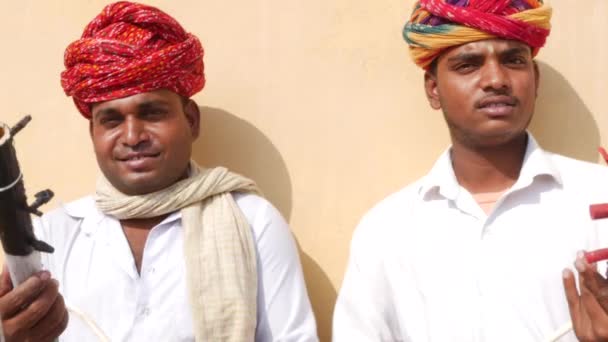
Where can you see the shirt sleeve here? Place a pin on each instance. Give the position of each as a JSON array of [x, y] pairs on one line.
[[364, 311], [284, 310]]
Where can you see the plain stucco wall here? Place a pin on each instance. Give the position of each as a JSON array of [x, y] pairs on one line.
[[316, 100]]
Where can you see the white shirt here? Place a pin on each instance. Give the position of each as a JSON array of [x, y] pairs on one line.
[[97, 275], [427, 264]]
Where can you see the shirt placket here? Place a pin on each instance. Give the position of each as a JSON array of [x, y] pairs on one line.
[[145, 284], [475, 219]]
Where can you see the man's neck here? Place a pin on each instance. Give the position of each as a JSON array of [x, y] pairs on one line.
[[146, 223], [137, 231], [488, 169]]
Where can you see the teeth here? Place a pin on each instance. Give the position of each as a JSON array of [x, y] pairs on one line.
[[139, 157]]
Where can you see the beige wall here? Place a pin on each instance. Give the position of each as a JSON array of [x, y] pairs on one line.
[[317, 100]]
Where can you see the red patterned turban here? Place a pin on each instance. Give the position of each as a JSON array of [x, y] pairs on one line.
[[129, 49], [437, 25]]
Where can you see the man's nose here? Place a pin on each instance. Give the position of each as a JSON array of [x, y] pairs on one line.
[[494, 77], [134, 132]]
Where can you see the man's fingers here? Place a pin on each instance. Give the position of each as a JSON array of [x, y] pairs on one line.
[[22, 295], [597, 317], [58, 330], [598, 287], [587, 272], [53, 324], [591, 284], [589, 319], [571, 294], [593, 281], [578, 314], [39, 308]]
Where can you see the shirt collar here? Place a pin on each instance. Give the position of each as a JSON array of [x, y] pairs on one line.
[[85, 208], [536, 163], [81, 208], [441, 178]]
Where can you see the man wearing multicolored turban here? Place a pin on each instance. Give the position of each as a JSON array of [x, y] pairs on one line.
[[474, 250], [438, 25], [165, 250]]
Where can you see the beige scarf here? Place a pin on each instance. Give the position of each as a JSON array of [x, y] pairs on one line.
[[218, 245]]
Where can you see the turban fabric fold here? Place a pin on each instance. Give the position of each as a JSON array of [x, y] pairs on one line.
[[128, 49], [437, 25]]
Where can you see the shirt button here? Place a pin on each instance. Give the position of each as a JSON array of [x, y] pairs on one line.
[[144, 311]]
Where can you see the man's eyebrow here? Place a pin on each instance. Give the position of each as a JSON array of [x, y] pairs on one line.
[[106, 112], [152, 104], [517, 50], [471, 56], [141, 106], [465, 56]]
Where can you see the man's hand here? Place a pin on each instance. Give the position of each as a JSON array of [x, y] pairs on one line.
[[589, 309], [34, 310]]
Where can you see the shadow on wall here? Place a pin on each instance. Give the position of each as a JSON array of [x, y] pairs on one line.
[[562, 122], [236, 144], [232, 142], [322, 294]]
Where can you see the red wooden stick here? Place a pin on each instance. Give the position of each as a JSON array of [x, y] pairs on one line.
[[604, 154], [597, 255], [598, 211]]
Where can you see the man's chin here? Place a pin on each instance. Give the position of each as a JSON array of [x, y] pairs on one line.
[[139, 184], [500, 137], [491, 137]]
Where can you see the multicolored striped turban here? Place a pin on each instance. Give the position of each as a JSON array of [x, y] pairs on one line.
[[437, 25], [129, 49]]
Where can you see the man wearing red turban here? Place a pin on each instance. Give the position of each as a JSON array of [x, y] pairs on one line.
[[164, 250], [474, 250], [130, 49]]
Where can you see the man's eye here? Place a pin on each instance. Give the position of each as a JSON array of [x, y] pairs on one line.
[[464, 67], [516, 61], [109, 121], [154, 113]]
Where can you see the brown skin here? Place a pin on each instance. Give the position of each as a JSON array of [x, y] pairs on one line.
[[155, 128], [589, 308], [488, 147], [143, 144], [34, 310], [487, 91]]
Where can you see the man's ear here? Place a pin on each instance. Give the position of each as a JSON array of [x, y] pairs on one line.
[[193, 115], [536, 77], [431, 89], [91, 128]]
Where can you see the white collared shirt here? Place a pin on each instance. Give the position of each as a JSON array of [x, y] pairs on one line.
[[97, 274], [427, 264]]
